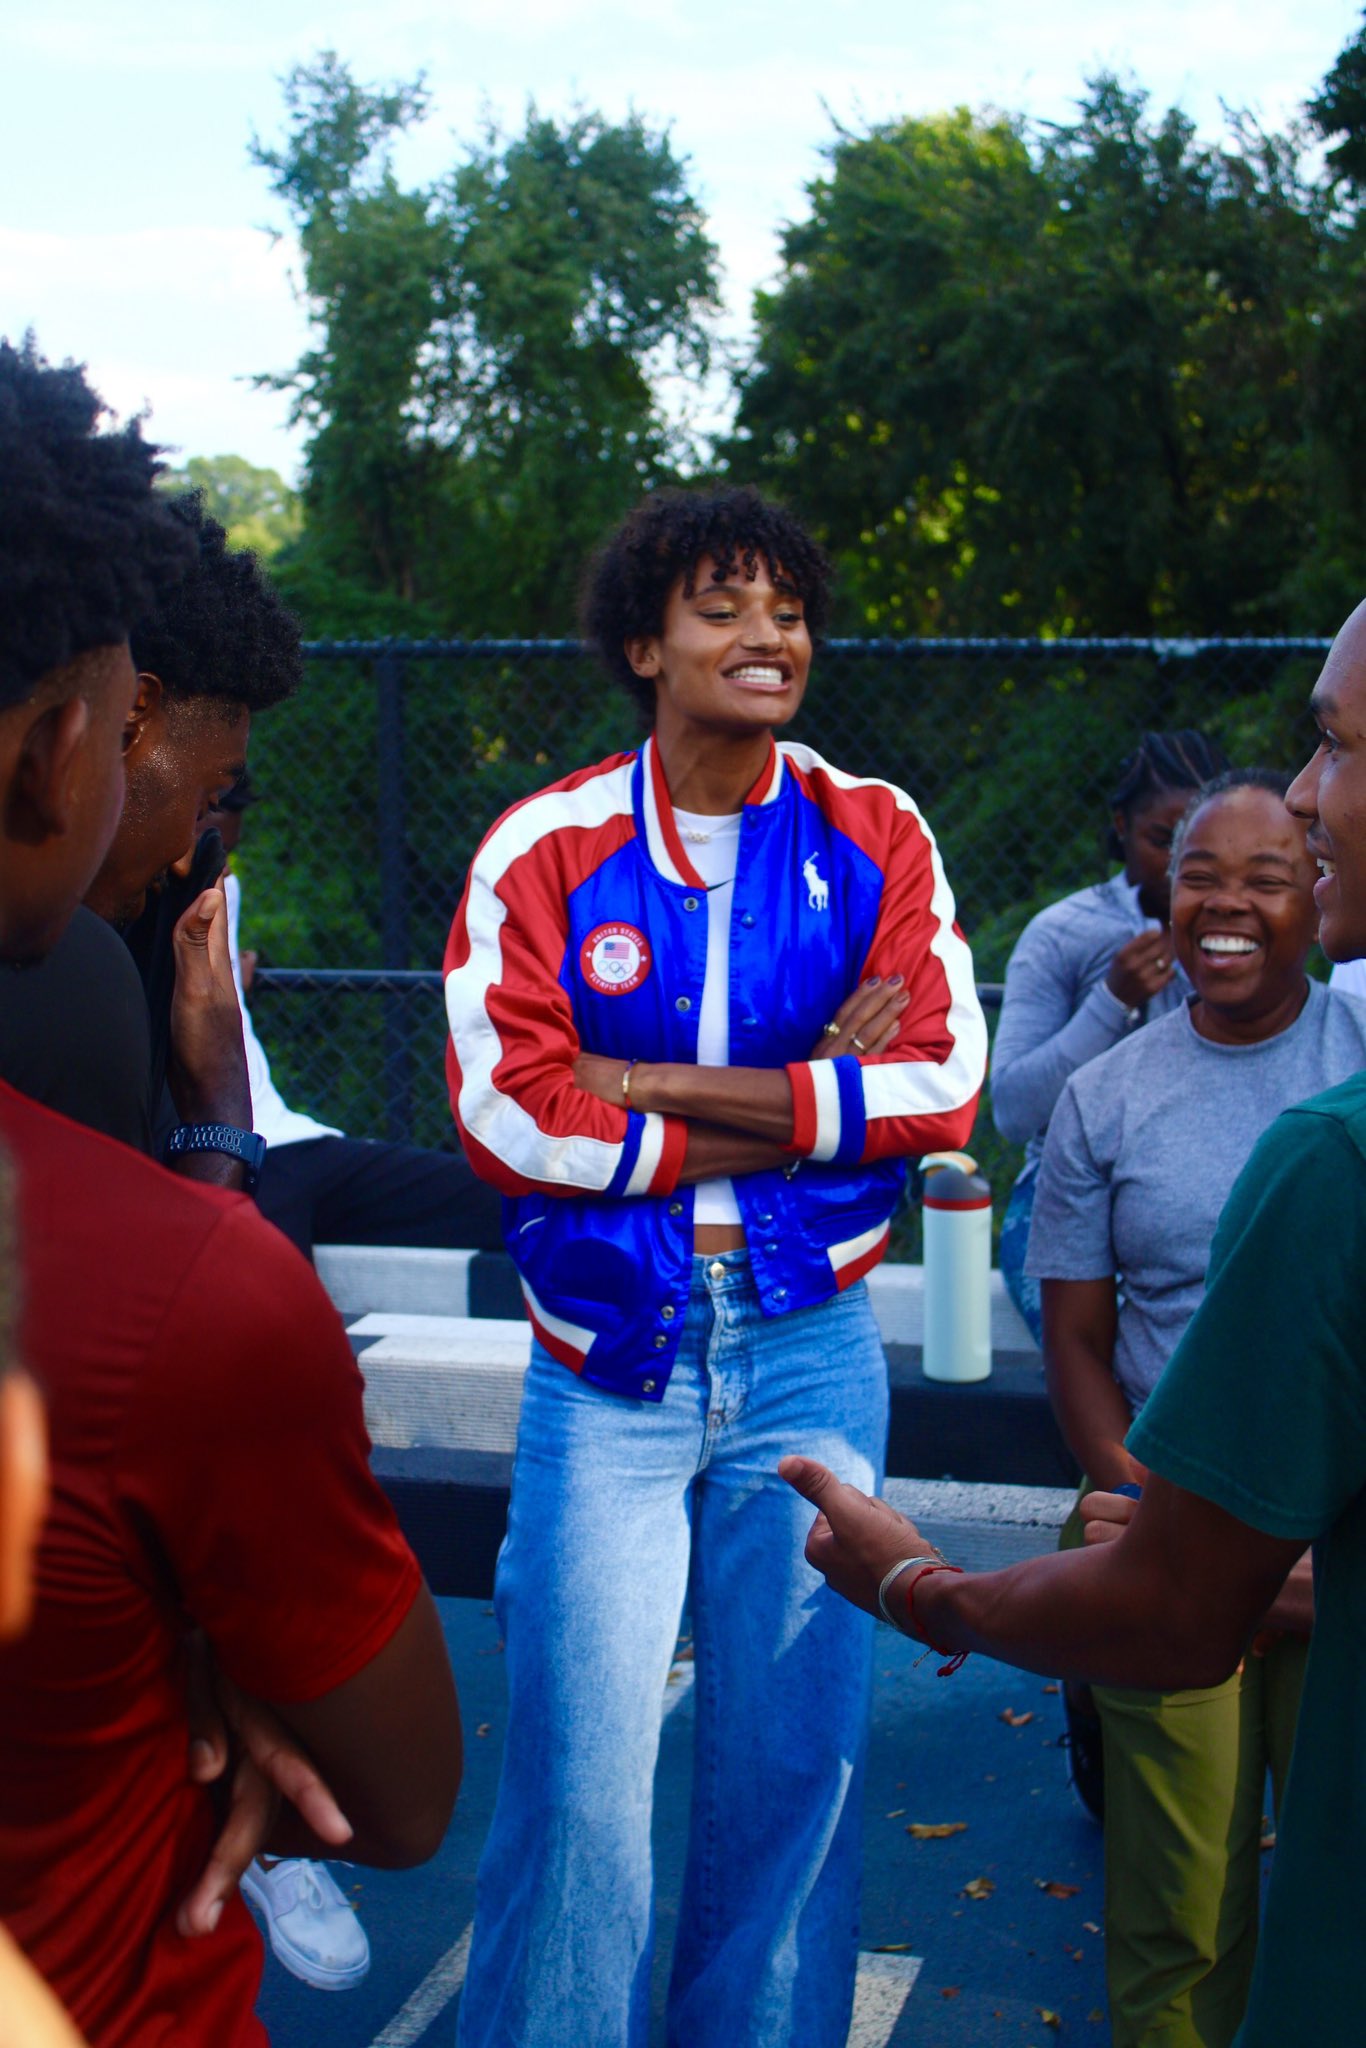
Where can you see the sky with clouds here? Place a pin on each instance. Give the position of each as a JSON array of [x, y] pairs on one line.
[[132, 226]]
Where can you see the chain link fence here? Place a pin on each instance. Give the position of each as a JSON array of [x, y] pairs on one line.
[[380, 777]]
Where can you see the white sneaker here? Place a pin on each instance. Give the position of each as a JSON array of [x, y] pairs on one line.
[[311, 1928]]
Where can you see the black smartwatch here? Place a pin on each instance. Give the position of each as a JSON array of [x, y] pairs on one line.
[[248, 1146]]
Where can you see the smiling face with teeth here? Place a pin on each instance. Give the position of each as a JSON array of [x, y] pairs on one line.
[[730, 663], [1329, 793], [1243, 916]]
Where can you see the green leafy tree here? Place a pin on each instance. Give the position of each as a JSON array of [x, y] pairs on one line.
[[374, 261], [1051, 379], [1338, 112], [480, 395], [257, 506]]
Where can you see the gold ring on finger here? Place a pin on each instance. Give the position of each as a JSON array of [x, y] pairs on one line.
[[859, 1043], [832, 1030]]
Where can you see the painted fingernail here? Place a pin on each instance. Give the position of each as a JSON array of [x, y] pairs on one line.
[[896, 980], [213, 1916], [873, 980]]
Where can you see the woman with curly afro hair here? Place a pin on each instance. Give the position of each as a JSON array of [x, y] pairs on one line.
[[705, 998]]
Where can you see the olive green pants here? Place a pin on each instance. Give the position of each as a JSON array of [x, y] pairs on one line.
[[1185, 1783]]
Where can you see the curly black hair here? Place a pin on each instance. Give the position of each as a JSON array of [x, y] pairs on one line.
[[1162, 764], [225, 632], [86, 543], [629, 579]]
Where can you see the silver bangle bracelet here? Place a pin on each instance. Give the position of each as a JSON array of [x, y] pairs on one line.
[[893, 1575]]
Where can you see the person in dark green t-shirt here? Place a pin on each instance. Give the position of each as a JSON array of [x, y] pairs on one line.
[[1255, 1444]]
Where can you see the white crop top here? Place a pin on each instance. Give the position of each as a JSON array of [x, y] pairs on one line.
[[713, 847]]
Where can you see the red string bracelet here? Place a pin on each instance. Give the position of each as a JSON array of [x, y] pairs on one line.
[[959, 1658]]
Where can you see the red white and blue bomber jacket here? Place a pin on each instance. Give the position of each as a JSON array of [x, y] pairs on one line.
[[583, 926]]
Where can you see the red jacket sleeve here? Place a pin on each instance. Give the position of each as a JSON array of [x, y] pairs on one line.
[[524, 1122]]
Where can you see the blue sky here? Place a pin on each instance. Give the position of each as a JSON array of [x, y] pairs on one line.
[[131, 221]]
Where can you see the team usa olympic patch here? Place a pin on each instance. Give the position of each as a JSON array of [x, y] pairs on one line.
[[615, 958]]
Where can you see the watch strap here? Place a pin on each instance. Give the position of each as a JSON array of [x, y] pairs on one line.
[[230, 1139]]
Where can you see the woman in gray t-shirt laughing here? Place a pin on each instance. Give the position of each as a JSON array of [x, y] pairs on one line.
[[1142, 1151]]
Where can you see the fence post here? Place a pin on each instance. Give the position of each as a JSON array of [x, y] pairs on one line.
[[393, 890]]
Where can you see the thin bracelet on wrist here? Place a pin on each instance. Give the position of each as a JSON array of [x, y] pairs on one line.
[[957, 1658], [626, 1083], [890, 1580]]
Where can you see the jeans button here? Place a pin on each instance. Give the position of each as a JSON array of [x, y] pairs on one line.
[[675, 1208], [647, 1386], [716, 1271], [668, 1312], [747, 919], [690, 903], [764, 1220], [780, 1294], [770, 1249], [683, 1005], [749, 1023], [660, 1340]]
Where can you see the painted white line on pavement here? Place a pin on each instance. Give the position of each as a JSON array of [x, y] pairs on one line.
[[429, 2001], [679, 1685], [880, 1991]]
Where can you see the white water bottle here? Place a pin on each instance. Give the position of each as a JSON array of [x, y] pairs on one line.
[[957, 1206]]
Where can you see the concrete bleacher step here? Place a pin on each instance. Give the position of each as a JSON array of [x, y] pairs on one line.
[[394, 1280]]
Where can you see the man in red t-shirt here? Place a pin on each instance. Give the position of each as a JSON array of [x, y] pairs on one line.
[[208, 1466], [208, 1452]]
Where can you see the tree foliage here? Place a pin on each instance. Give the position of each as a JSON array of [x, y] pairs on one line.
[[481, 393], [257, 506], [1086, 377]]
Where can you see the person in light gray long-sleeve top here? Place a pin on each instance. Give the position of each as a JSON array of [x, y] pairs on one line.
[[1090, 969]]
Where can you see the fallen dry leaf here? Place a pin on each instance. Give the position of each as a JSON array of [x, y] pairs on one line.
[[978, 1888], [483, 1728], [1048, 2016], [951, 1991], [892, 1948], [1056, 1890], [896, 1813], [1090, 1926], [1050, 1688], [936, 1830], [1095, 2015], [1014, 1720]]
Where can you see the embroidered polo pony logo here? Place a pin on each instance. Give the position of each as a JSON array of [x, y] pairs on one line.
[[817, 890]]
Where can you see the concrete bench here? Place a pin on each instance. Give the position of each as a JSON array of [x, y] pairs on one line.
[[382, 1278], [443, 1372]]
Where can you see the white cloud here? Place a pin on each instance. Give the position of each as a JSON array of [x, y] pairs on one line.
[[175, 320]]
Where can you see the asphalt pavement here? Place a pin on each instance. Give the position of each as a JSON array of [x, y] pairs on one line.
[[987, 1934]]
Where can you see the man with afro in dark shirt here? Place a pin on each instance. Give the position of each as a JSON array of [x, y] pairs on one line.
[[188, 1357], [218, 648]]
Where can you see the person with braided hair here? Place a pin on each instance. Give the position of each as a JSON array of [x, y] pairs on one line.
[[1086, 973], [1089, 970]]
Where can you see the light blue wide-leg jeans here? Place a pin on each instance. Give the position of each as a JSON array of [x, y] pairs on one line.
[[618, 1508]]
